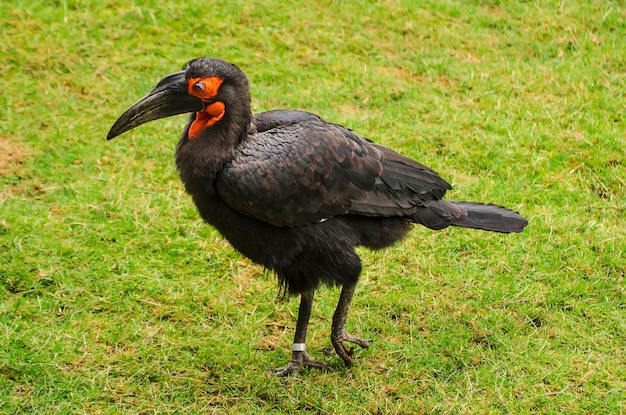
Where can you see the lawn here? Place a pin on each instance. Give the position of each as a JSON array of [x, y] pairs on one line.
[[115, 298]]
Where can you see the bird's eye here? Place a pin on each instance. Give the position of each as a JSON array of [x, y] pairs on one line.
[[199, 86]]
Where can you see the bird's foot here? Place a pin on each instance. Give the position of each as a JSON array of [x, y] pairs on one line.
[[342, 351], [298, 361]]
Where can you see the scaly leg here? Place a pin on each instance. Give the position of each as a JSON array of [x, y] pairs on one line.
[[338, 333], [299, 357]]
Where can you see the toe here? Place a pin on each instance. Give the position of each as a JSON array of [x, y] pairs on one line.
[[298, 361], [364, 343]]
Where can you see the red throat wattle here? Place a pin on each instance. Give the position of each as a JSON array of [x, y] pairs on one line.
[[211, 114]]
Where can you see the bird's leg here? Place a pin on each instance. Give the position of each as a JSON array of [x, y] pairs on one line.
[[338, 333], [299, 357]]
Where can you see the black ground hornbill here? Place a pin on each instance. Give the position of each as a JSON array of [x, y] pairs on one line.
[[295, 193]]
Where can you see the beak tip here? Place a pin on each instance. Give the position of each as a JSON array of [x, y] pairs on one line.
[[113, 132]]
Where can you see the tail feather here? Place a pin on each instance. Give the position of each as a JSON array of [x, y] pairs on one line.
[[488, 217]]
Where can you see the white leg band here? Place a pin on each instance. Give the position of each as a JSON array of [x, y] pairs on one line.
[[298, 347]]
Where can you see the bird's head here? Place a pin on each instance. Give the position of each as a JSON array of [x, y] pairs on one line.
[[213, 89]]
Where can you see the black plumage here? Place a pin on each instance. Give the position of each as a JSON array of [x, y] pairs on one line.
[[295, 193]]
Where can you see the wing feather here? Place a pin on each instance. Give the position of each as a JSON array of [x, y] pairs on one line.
[[302, 172]]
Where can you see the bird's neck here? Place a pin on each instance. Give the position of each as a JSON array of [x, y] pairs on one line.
[[200, 159]]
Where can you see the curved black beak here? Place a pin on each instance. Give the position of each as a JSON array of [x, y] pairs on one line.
[[169, 97]]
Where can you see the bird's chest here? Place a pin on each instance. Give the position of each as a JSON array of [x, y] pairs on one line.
[[259, 241]]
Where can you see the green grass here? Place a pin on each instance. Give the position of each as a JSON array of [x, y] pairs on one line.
[[115, 298]]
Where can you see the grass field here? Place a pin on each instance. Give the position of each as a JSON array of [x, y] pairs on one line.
[[115, 298]]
